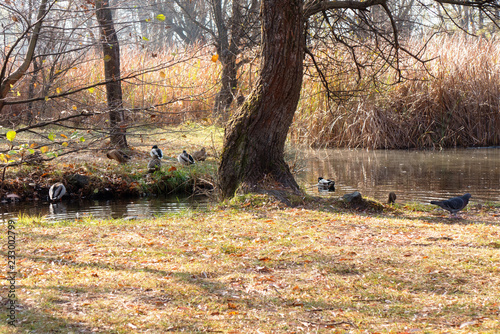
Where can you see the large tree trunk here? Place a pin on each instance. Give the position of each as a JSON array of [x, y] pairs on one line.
[[112, 74], [255, 137]]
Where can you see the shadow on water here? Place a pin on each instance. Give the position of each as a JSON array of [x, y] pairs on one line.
[[415, 176], [119, 208]]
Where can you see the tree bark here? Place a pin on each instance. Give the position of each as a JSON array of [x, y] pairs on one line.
[[227, 49], [112, 74], [255, 137], [6, 82]]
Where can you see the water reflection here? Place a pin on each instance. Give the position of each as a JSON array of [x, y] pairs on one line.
[[415, 176], [132, 208]]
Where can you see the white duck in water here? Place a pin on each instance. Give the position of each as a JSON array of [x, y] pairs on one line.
[[185, 158], [156, 152], [57, 191]]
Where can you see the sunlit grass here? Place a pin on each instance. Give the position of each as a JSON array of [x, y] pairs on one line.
[[453, 102], [256, 266], [132, 178]]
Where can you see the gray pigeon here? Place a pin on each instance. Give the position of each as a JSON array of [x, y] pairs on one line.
[[454, 204]]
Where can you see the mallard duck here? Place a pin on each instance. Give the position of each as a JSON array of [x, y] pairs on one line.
[[200, 155], [154, 165], [185, 158], [156, 152], [325, 184], [118, 156], [57, 191], [455, 204]]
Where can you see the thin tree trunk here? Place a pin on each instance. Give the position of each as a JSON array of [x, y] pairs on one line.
[[228, 49], [112, 74], [6, 82], [229, 82], [255, 138]]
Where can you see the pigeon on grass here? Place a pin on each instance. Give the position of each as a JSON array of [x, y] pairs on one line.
[[453, 205]]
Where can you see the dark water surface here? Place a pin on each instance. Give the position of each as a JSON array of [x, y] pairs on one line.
[[415, 176], [122, 208]]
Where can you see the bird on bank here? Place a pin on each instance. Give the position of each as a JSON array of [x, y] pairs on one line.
[[455, 204], [57, 191], [185, 158], [325, 184], [154, 165], [200, 155], [118, 155], [392, 198], [156, 152]]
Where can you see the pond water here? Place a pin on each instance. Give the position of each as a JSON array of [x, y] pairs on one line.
[[122, 208], [415, 176]]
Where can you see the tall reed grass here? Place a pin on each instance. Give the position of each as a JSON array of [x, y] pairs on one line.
[[456, 103], [158, 87]]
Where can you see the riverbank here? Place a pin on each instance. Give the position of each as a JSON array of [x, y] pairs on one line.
[[90, 174], [253, 265]]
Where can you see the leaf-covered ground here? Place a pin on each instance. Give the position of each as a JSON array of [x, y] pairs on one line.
[[255, 266]]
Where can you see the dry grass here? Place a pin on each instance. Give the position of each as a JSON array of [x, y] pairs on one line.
[[172, 86], [256, 267], [455, 103]]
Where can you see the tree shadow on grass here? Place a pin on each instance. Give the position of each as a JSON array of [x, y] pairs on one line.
[[224, 297], [35, 320]]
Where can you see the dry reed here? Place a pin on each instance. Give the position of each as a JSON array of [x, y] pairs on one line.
[[455, 104]]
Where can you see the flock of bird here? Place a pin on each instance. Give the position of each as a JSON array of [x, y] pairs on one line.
[[184, 158], [58, 190], [453, 205]]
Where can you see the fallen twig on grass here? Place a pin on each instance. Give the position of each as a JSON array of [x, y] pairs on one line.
[[330, 324]]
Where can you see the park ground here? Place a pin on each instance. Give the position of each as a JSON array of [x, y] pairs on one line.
[[254, 265], [251, 264]]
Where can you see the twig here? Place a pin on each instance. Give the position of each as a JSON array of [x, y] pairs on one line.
[[369, 300], [331, 324]]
